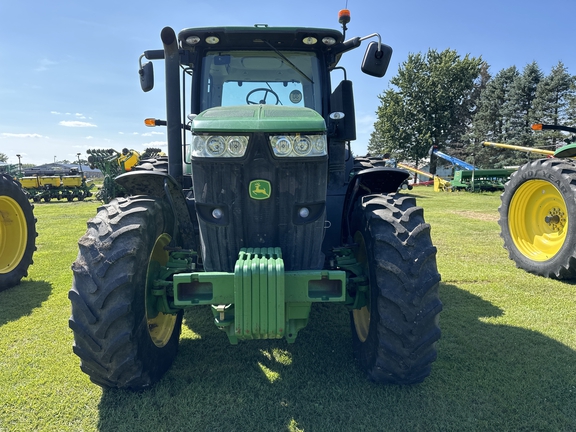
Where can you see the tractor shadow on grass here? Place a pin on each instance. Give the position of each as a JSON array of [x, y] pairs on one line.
[[488, 376], [22, 299]]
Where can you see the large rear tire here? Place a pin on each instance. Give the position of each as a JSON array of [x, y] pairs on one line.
[[537, 218], [122, 339], [394, 336], [17, 232]]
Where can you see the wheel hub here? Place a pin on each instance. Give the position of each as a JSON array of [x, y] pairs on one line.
[[362, 316], [160, 325], [555, 219]]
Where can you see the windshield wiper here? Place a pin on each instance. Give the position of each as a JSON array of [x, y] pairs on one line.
[[292, 65]]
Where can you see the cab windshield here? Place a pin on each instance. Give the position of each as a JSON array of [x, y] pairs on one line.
[[288, 78]]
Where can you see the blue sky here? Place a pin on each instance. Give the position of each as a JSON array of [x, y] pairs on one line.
[[69, 69]]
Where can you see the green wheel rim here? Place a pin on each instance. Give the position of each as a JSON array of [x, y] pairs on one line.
[[160, 325], [13, 234], [362, 316], [538, 220]]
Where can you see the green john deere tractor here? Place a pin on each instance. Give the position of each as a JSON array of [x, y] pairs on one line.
[[538, 205], [259, 210], [17, 232]]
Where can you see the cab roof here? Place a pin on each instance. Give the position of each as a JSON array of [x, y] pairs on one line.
[[282, 38]]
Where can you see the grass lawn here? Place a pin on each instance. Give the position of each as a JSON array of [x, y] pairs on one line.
[[506, 359]]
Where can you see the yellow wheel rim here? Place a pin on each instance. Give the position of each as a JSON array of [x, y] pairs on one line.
[[538, 220], [362, 316], [13, 234], [160, 325]]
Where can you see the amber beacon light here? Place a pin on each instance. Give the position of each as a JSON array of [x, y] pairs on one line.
[[344, 16]]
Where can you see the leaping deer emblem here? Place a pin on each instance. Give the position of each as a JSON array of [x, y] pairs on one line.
[[260, 189]]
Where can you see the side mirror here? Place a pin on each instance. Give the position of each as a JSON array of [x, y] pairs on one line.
[[147, 76], [375, 63]]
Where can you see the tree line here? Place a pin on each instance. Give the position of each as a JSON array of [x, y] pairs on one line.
[[443, 99]]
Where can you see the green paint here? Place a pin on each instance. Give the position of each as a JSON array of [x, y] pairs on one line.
[[260, 300], [566, 151], [258, 118]]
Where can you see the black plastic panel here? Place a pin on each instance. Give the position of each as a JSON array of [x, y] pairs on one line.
[[273, 222]]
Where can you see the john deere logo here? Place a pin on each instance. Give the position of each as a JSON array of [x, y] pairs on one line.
[[260, 189]]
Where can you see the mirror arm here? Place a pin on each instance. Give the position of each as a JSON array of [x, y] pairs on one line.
[[154, 54], [371, 36]]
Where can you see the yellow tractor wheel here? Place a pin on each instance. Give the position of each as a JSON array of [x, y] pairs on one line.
[[535, 218], [17, 232]]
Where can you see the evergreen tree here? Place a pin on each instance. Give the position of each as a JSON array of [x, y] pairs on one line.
[[488, 122], [551, 105], [571, 108], [518, 110], [506, 115]]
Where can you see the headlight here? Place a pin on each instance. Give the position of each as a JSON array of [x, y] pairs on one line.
[[298, 145], [219, 146]]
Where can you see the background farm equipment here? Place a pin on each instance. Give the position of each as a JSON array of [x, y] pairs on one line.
[[439, 183], [17, 232], [50, 185], [263, 212], [113, 163], [14, 170], [538, 211], [478, 180], [470, 178]]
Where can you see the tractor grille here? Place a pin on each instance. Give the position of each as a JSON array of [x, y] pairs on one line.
[[256, 202]]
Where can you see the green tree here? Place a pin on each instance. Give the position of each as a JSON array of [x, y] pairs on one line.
[[506, 114], [518, 110], [431, 104], [464, 149], [552, 105], [488, 121], [571, 109], [3, 157]]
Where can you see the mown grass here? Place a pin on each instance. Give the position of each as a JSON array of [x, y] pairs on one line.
[[506, 360]]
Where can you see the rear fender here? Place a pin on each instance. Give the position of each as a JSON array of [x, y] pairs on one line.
[[372, 181], [160, 184]]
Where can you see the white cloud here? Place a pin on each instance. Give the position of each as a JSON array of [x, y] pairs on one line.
[[55, 112], [44, 65], [22, 135], [89, 137], [155, 144], [76, 123], [147, 134]]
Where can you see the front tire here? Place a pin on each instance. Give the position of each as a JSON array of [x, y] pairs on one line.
[[17, 232], [122, 340], [394, 335], [536, 212]]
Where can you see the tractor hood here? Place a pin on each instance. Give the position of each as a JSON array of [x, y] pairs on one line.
[[258, 118]]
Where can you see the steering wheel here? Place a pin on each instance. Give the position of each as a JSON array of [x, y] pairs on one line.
[[263, 100]]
